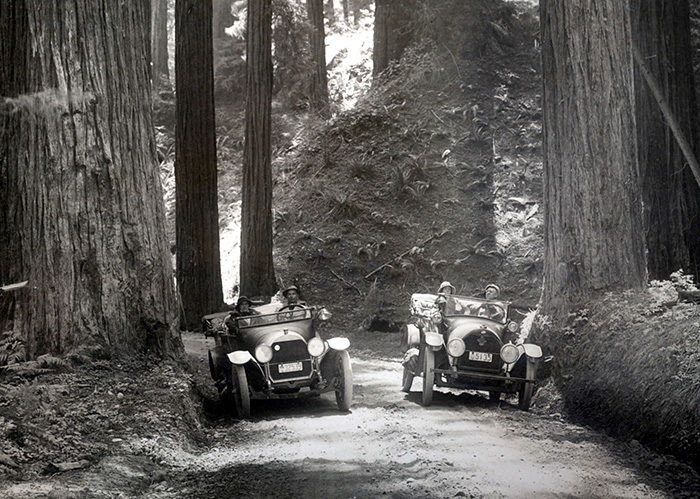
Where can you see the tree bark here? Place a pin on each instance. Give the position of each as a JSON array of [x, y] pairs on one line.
[[81, 205], [318, 88], [197, 214], [330, 8], [257, 271], [661, 32], [160, 75], [594, 239], [392, 32]]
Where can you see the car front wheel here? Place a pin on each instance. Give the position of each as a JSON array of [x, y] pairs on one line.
[[343, 387], [428, 376], [242, 395], [525, 392]]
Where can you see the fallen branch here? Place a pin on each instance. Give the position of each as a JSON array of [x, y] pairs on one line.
[[668, 114], [422, 243], [348, 283]]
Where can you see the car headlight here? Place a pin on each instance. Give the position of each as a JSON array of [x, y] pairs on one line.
[[509, 353], [513, 327], [263, 353], [456, 347], [315, 347]]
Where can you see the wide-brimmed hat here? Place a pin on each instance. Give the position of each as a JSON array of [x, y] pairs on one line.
[[290, 288], [243, 299], [446, 284]]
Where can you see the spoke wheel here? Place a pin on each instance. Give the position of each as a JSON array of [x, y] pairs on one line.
[[525, 392], [343, 387], [242, 395], [428, 376]]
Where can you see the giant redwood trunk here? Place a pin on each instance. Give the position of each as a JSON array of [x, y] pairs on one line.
[[594, 237], [196, 200], [257, 272], [661, 31], [81, 205], [392, 32], [318, 91], [159, 45]]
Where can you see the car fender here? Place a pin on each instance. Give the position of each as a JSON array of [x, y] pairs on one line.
[[412, 335], [339, 343], [240, 357], [533, 351], [433, 340]]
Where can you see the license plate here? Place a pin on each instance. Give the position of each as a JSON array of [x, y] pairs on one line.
[[291, 367], [480, 356]]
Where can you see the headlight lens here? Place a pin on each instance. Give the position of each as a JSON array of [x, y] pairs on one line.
[[513, 327], [263, 353], [509, 353], [456, 347], [315, 347]]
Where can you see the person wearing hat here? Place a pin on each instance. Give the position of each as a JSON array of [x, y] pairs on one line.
[[446, 288], [242, 310], [492, 292], [291, 294]]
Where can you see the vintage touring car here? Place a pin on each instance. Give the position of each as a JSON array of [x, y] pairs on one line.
[[467, 343], [278, 354]]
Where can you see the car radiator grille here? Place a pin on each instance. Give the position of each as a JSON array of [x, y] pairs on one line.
[[485, 342], [290, 351]]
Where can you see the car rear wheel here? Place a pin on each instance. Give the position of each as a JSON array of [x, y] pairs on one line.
[[428, 376], [525, 392], [407, 380], [242, 395], [343, 387]]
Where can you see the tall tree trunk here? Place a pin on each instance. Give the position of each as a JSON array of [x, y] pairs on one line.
[[346, 10], [257, 271], [318, 91], [81, 205], [594, 239], [197, 214], [392, 32], [661, 31], [160, 75], [222, 18]]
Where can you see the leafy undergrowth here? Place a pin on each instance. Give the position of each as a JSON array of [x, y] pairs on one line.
[[630, 363], [434, 174], [54, 417]]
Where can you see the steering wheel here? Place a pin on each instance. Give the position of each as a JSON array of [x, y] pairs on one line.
[[290, 307]]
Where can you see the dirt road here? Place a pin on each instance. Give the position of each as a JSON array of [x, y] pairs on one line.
[[390, 445]]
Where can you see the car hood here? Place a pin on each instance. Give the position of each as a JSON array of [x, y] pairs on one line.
[[459, 327]]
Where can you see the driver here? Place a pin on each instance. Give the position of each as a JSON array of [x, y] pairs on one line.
[[291, 294], [491, 292]]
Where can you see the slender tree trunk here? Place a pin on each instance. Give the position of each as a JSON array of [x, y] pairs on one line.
[[222, 18], [392, 32], [661, 31], [346, 10], [594, 239], [257, 271], [197, 215], [81, 205], [318, 91], [160, 75], [330, 8]]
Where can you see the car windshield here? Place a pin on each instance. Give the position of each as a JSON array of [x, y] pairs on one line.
[[275, 317], [475, 307]]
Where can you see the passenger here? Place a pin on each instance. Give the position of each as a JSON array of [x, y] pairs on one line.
[[242, 310], [446, 288]]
